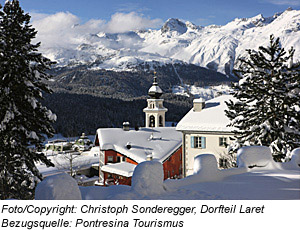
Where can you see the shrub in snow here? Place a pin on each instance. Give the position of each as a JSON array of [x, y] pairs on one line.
[[58, 187], [205, 163], [250, 156], [148, 178]]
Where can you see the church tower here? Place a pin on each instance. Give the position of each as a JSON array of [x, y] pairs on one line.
[[155, 110]]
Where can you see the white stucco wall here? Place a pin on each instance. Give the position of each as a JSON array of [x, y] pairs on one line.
[[212, 146]]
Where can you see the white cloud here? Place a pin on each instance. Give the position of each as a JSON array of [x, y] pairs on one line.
[[64, 29], [122, 22], [284, 2]]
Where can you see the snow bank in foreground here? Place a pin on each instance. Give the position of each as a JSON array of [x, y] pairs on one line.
[[261, 156], [271, 180], [294, 163], [58, 187], [147, 183], [251, 156], [205, 163], [103, 193], [148, 178], [205, 169], [296, 157]]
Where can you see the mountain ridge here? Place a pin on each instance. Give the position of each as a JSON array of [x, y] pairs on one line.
[[213, 47]]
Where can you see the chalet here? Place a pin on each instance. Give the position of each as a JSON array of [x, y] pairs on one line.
[[121, 149], [204, 129]]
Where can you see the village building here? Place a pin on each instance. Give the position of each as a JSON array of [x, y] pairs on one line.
[[155, 110], [121, 149], [204, 130]]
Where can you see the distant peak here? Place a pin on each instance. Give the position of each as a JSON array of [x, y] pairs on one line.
[[191, 25], [174, 24]]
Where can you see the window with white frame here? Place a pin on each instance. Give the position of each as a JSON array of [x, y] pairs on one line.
[[198, 142], [223, 141]]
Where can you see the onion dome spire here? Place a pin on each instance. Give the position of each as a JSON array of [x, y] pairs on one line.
[[155, 91]]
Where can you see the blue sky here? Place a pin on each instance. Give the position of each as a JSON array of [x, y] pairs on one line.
[[199, 12]]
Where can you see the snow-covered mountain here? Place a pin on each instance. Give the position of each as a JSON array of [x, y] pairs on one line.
[[214, 47]]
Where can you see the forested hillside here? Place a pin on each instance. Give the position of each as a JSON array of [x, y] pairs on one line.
[[86, 99]]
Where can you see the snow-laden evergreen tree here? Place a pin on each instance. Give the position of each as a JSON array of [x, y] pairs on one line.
[[24, 122], [266, 109]]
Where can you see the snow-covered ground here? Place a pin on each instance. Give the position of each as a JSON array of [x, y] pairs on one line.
[[62, 162], [271, 180], [256, 184], [207, 92]]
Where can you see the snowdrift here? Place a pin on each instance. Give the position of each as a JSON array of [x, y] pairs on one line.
[[58, 187], [256, 177]]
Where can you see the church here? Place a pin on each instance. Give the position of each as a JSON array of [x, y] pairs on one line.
[[121, 149]]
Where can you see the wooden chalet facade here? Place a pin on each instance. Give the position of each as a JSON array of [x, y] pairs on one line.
[[172, 167]]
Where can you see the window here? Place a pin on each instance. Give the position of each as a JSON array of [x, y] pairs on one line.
[[152, 121], [160, 121], [198, 142], [110, 159], [118, 159], [223, 163], [223, 141], [123, 158]]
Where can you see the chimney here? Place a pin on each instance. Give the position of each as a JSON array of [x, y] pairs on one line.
[[149, 157], [199, 104], [128, 145], [126, 126]]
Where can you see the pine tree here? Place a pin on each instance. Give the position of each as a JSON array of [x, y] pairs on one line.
[[266, 109], [24, 122]]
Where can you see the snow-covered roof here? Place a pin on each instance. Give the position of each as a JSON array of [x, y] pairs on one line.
[[160, 142], [211, 118], [123, 169]]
